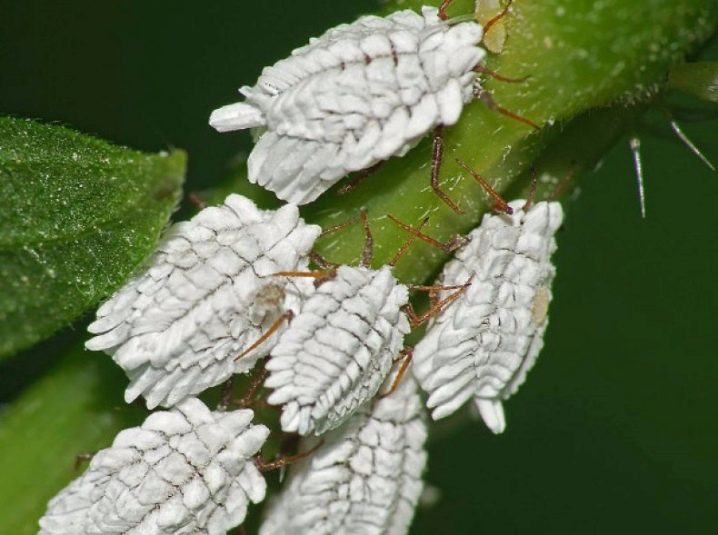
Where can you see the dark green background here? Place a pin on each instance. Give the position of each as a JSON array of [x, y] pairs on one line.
[[615, 430]]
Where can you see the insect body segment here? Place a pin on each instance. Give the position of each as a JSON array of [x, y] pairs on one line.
[[483, 345], [359, 94], [188, 470], [207, 294], [365, 478]]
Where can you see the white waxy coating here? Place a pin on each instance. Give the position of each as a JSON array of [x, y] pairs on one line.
[[183, 471], [359, 94], [483, 344], [365, 478], [207, 294], [337, 351]]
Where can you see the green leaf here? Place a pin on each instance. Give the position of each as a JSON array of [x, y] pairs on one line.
[[75, 408], [77, 216], [699, 79]]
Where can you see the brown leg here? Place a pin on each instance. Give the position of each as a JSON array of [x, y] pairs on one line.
[[436, 287], [358, 178], [532, 192], [307, 274], [281, 461], [287, 316], [255, 383], [442, 9], [487, 99], [368, 252], [448, 247], [196, 201], [407, 353], [336, 228], [500, 205], [437, 155], [405, 247], [497, 17], [415, 320], [322, 262], [226, 395], [563, 184], [483, 70]]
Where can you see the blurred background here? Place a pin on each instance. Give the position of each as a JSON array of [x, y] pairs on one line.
[[615, 430]]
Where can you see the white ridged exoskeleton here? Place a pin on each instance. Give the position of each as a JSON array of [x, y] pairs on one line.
[[338, 350], [188, 470], [483, 345], [365, 478], [358, 95], [206, 294]]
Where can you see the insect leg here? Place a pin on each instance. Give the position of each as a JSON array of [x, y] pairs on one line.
[[442, 9], [358, 178], [368, 250], [497, 17], [487, 99], [448, 247], [415, 320], [407, 354], [532, 193], [226, 394], [283, 460], [287, 316], [500, 205], [255, 384], [196, 200], [437, 156], [483, 70]]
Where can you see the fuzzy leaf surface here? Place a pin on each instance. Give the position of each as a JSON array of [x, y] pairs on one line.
[[77, 216]]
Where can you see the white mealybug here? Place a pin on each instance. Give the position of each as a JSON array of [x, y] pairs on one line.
[[483, 345], [365, 478], [359, 94], [337, 351], [208, 292], [188, 470]]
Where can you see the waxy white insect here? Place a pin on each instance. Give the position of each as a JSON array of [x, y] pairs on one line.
[[359, 94], [365, 478], [207, 294], [337, 351], [483, 345], [188, 470]]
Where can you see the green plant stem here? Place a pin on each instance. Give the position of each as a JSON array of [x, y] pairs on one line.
[[580, 56]]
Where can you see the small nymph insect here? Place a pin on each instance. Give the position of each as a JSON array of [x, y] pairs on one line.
[[356, 96], [338, 350], [483, 345], [207, 293], [188, 470], [365, 478]]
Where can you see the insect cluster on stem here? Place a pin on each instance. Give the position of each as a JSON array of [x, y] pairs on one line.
[[232, 292]]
